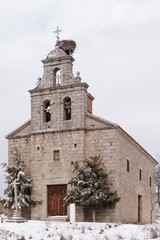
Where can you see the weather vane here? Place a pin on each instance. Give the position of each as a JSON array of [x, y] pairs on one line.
[[57, 32]]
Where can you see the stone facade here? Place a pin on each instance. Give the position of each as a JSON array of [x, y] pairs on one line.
[[63, 129]]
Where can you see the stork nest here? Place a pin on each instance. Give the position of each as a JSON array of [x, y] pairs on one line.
[[68, 46]]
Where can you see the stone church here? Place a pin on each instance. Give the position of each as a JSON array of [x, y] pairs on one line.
[[63, 129]]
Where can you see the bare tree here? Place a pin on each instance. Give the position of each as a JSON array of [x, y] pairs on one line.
[[153, 202]]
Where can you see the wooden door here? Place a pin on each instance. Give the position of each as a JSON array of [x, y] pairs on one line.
[[56, 194]]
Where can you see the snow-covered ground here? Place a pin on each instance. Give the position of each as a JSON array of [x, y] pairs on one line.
[[41, 230]]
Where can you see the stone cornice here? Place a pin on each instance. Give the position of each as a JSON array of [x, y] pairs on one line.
[[47, 60], [60, 131], [59, 87]]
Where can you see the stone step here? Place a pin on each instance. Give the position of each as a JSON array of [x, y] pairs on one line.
[[57, 218]]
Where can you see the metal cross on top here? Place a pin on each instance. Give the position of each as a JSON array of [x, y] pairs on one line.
[[57, 32]]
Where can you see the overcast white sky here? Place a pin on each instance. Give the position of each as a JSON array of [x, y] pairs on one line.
[[118, 55]]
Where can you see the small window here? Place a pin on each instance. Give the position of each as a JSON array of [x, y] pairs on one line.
[[150, 181], [67, 108], [140, 174], [57, 155], [127, 165]]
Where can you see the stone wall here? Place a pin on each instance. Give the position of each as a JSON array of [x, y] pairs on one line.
[[45, 170], [116, 148], [112, 144], [129, 183], [78, 95], [103, 143], [23, 146]]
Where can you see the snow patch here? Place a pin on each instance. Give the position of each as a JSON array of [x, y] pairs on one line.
[[37, 230]]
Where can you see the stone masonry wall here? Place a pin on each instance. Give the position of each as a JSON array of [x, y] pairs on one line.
[[115, 148], [45, 170], [129, 184], [22, 145], [103, 143], [112, 144], [78, 96]]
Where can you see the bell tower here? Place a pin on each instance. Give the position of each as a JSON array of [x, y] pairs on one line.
[[59, 100], [58, 65]]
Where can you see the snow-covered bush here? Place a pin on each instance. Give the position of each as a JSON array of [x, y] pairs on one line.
[[91, 186]]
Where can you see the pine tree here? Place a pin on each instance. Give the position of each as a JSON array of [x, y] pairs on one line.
[[91, 186], [15, 172]]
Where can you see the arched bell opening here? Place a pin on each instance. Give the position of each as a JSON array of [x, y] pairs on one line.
[[56, 77], [67, 108], [46, 111]]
